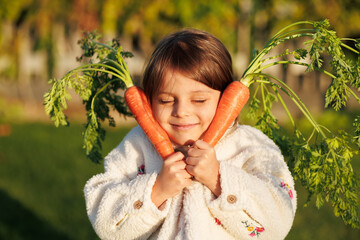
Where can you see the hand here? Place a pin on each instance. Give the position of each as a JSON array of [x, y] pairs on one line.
[[172, 179], [204, 166]]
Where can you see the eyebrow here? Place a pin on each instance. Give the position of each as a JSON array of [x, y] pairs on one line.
[[196, 91], [201, 91]]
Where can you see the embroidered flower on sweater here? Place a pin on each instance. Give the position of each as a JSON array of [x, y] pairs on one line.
[[217, 221], [141, 170], [253, 230], [287, 188]]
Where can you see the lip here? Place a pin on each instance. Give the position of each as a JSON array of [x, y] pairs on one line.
[[184, 126]]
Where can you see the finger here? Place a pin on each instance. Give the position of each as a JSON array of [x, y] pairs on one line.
[[195, 152], [192, 160], [175, 167], [177, 156], [180, 165], [186, 174], [190, 169], [200, 144]]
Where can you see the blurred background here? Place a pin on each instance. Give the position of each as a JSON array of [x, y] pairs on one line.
[[43, 169]]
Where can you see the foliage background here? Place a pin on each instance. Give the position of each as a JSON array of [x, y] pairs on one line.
[[43, 169]]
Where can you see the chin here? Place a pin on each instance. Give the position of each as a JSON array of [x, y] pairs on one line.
[[182, 142]]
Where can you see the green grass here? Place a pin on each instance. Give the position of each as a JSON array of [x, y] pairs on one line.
[[42, 174], [43, 170]]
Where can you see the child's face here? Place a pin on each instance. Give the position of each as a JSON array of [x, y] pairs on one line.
[[184, 107]]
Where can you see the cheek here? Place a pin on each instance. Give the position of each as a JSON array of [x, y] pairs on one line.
[[155, 112], [212, 107], [159, 113], [208, 113]]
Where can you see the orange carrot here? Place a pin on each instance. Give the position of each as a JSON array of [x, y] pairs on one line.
[[232, 101], [140, 107]]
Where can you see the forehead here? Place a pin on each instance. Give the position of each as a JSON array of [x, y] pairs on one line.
[[177, 81]]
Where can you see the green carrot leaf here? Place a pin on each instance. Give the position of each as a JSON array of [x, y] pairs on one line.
[[300, 53], [98, 82], [321, 161]]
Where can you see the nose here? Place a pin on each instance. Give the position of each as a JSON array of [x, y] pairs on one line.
[[181, 109]]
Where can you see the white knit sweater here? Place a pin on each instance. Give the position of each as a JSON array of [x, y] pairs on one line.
[[257, 198]]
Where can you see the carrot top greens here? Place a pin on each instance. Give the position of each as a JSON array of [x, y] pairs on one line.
[[98, 83], [320, 161]]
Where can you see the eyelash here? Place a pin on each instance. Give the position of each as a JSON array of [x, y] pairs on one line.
[[165, 101], [199, 101], [171, 101]]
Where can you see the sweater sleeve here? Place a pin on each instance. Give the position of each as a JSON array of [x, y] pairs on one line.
[[258, 196], [118, 201]]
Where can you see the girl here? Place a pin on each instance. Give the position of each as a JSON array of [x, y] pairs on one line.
[[239, 189]]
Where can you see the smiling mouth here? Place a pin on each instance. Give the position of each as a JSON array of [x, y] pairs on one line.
[[184, 126]]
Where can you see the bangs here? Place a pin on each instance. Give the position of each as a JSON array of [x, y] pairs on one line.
[[193, 53]]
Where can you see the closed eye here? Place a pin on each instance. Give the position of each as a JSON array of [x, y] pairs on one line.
[[199, 100], [163, 101]]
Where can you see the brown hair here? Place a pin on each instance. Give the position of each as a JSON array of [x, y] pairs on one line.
[[196, 54]]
